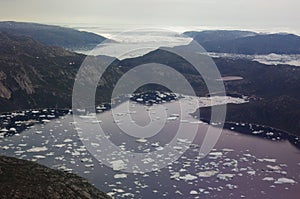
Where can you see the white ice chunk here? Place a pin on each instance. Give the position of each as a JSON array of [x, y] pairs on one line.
[[285, 181], [188, 177], [225, 177], [118, 165], [120, 176], [39, 157], [141, 140], [37, 149], [268, 179], [172, 118], [273, 167], [68, 140], [193, 192], [207, 174]]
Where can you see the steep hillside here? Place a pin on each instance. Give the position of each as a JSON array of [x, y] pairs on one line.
[[25, 179], [33, 75]]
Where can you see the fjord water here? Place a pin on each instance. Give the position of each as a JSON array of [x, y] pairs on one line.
[[239, 165]]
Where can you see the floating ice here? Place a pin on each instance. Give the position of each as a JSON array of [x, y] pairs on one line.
[[227, 150], [257, 132], [87, 116], [13, 129], [118, 165], [59, 145], [19, 152], [285, 181], [177, 148], [68, 140], [120, 176], [273, 167], [216, 153], [252, 173], [193, 192], [86, 160], [184, 141], [37, 149], [156, 144], [119, 190], [175, 175], [196, 122], [267, 160], [95, 144], [207, 174], [127, 195], [268, 179], [225, 177], [231, 163], [46, 121], [111, 194], [172, 118], [188, 177], [141, 140], [39, 157], [147, 160], [231, 186]]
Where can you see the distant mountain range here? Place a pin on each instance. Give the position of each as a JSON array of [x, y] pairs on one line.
[[53, 35], [246, 42]]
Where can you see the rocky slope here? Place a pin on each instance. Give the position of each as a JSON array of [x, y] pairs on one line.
[[34, 75], [25, 179]]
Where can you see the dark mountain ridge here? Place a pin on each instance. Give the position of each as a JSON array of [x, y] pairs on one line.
[[250, 43], [53, 35], [219, 35]]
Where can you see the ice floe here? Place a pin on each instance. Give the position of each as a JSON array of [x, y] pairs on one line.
[[285, 181], [118, 165], [37, 149], [120, 176], [225, 177], [207, 174]]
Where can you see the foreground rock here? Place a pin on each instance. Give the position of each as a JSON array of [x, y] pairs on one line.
[[24, 179]]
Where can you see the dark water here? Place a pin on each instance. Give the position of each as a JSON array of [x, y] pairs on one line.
[[239, 166]]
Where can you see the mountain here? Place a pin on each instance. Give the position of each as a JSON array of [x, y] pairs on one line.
[[53, 35], [250, 43], [25, 179], [273, 91], [33, 75], [218, 35]]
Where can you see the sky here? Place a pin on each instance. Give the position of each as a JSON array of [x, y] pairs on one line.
[[279, 15]]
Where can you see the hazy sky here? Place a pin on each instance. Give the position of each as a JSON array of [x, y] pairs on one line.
[[247, 14]]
